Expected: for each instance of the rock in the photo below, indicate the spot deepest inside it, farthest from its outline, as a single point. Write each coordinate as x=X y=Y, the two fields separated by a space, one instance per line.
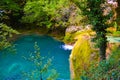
x=72 y=29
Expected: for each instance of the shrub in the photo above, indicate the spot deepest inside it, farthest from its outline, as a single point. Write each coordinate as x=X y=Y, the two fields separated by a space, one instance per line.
x=105 y=70
x=41 y=71
x=117 y=33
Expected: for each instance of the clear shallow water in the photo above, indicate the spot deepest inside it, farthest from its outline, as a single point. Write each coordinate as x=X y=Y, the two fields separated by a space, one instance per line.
x=12 y=65
x=112 y=39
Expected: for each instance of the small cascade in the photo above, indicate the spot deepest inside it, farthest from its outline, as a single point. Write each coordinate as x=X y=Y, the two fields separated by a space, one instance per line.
x=67 y=47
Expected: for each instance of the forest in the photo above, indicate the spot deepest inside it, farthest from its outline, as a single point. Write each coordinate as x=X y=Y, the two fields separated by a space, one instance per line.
x=59 y=39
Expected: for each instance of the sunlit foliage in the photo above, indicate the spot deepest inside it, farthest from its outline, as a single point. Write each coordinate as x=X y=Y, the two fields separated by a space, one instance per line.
x=45 y=12
x=5 y=33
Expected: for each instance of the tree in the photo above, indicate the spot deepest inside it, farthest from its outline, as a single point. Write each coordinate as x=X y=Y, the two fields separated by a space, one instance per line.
x=12 y=11
x=47 y=13
x=41 y=71
x=5 y=33
x=100 y=15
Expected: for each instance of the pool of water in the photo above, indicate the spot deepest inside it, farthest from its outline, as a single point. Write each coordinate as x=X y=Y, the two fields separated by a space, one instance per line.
x=11 y=65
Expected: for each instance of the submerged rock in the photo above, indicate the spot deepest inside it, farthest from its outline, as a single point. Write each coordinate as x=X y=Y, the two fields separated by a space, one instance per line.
x=15 y=68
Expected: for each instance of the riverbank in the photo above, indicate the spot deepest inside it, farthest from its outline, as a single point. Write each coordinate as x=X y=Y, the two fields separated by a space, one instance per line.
x=39 y=31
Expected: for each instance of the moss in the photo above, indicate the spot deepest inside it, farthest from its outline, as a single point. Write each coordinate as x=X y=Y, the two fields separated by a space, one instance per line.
x=69 y=38
x=80 y=57
x=72 y=37
x=82 y=54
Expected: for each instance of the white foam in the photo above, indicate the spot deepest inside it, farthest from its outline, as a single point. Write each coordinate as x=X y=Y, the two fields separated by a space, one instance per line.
x=67 y=47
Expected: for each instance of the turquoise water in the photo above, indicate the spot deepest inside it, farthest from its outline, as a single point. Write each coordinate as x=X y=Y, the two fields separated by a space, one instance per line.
x=112 y=39
x=12 y=65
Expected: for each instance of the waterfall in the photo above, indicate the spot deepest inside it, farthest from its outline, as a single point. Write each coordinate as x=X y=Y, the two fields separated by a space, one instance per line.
x=67 y=47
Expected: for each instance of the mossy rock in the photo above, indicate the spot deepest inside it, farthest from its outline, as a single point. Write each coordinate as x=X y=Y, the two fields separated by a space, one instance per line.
x=81 y=57
x=72 y=37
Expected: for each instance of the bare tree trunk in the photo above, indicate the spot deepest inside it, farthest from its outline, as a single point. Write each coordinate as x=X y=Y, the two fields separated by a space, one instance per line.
x=103 y=46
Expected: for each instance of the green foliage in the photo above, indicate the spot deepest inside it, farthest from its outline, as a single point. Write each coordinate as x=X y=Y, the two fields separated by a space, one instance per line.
x=11 y=12
x=69 y=38
x=41 y=70
x=105 y=70
x=95 y=12
x=116 y=25
x=72 y=37
x=9 y=5
x=45 y=12
x=117 y=33
x=5 y=33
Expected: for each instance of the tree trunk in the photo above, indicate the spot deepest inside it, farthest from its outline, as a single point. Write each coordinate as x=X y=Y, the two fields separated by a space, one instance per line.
x=118 y=12
x=103 y=46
